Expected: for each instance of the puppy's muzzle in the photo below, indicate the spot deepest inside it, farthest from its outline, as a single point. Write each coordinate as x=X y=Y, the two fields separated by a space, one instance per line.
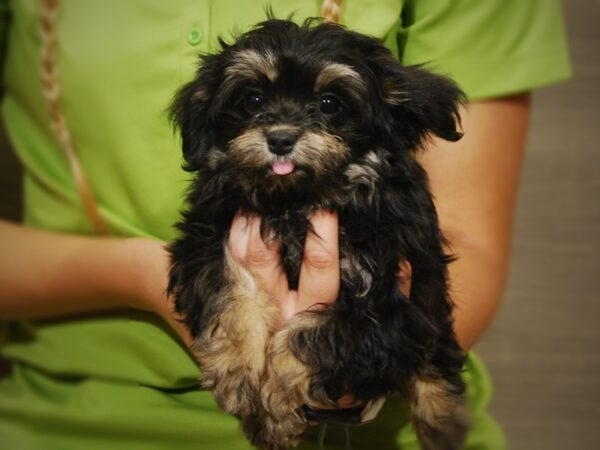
x=282 y=141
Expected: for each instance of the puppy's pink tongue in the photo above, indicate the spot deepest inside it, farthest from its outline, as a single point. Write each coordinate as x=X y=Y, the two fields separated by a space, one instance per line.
x=283 y=167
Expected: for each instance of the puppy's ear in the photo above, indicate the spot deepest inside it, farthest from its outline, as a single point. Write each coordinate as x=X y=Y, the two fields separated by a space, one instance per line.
x=421 y=104
x=191 y=111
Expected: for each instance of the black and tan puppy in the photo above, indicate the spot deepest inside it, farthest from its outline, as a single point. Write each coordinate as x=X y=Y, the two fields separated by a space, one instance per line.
x=286 y=121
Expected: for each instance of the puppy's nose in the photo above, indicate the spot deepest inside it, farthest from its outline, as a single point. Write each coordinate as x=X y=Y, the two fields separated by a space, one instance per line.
x=281 y=142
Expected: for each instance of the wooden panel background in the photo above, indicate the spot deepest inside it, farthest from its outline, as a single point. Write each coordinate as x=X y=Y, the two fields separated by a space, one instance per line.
x=544 y=348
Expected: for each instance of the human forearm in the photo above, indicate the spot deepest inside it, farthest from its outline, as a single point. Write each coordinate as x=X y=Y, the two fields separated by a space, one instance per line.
x=477 y=281
x=45 y=274
x=474 y=182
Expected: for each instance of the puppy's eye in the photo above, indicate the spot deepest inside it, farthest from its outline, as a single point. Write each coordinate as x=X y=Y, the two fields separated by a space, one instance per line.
x=253 y=101
x=330 y=104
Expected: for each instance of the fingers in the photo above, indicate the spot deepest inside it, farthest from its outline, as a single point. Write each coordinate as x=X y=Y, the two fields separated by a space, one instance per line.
x=239 y=237
x=175 y=320
x=404 y=277
x=344 y=402
x=260 y=257
x=320 y=272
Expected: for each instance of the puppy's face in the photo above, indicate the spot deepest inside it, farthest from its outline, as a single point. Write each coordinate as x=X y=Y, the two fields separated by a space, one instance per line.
x=290 y=108
x=287 y=121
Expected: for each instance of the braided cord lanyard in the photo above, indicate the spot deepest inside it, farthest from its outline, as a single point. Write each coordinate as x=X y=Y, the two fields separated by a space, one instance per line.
x=49 y=11
x=331 y=10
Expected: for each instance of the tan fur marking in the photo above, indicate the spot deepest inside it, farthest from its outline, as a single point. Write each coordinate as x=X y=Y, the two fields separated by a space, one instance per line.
x=361 y=174
x=231 y=351
x=364 y=176
x=372 y=158
x=395 y=97
x=392 y=94
x=432 y=401
x=439 y=415
x=352 y=271
x=200 y=95
x=215 y=157
x=336 y=71
x=250 y=148
x=286 y=385
x=324 y=152
x=252 y=64
x=278 y=127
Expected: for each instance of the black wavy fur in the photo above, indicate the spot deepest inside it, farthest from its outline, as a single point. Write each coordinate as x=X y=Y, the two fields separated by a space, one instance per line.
x=375 y=341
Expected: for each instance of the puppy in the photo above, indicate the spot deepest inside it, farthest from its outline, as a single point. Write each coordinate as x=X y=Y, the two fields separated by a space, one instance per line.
x=286 y=121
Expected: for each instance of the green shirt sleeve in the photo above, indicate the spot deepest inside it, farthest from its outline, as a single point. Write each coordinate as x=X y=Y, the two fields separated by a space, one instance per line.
x=490 y=48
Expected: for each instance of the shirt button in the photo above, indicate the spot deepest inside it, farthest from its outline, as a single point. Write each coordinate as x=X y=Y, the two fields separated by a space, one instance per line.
x=194 y=36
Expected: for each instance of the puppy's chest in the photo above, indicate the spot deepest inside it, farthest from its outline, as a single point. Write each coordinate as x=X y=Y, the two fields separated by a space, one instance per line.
x=291 y=231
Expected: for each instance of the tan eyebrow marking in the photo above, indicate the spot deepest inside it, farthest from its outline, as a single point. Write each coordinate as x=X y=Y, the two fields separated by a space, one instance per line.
x=252 y=64
x=393 y=95
x=336 y=71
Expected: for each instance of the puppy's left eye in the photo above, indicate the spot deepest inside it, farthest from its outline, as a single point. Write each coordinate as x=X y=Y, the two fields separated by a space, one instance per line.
x=253 y=101
x=330 y=104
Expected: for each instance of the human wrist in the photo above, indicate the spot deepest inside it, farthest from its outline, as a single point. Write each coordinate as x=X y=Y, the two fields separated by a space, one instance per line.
x=143 y=268
x=148 y=268
x=47 y=274
x=107 y=272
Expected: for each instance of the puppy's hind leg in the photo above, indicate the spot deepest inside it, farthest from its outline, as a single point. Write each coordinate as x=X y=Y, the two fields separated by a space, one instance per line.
x=231 y=350
x=439 y=414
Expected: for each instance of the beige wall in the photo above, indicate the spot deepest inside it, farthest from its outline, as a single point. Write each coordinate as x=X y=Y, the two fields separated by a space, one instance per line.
x=544 y=349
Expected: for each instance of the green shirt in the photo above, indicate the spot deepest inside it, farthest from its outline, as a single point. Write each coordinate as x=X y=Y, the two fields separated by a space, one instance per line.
x=122 y=380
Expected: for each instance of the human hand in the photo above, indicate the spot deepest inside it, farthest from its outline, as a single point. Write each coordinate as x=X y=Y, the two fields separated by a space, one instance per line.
x=320 y=271
x=319 y=281
x=151 y=274
x=319 y=274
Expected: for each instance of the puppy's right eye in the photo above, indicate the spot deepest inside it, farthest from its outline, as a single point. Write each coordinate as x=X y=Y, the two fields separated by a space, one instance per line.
x=253 y=101
x=329 y=104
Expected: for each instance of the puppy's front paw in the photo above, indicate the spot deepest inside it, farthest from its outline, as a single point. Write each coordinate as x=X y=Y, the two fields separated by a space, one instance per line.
x=269 y=433
x=231 y=350
x=285 y=389
x=287 y=378
x=233 y=376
